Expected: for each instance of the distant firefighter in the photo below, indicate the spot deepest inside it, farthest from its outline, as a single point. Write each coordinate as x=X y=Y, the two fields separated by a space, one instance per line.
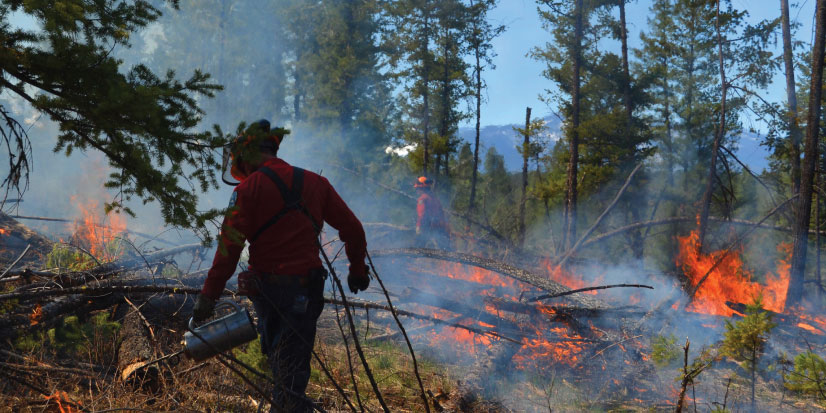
x=431 y=226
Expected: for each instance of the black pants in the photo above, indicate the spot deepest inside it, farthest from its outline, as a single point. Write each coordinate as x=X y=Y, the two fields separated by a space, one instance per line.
x=287 y=318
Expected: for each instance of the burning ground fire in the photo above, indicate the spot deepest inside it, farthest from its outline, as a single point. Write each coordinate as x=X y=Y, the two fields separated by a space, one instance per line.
x=544 y=341
x=730 y=281
x=95 y=231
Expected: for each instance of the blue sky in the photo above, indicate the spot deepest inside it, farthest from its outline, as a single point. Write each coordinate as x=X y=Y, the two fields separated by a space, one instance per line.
x=517 y=80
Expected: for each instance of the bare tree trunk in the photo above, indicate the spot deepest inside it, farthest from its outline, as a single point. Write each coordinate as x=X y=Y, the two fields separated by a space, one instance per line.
x=571 y=187
x=718 y=136
x=478 y=85
x=637 y=244
x=426 y=91
x=794 y=295
x=794 y=128
x=817 y=244
x=626 y=87
x=525 y=155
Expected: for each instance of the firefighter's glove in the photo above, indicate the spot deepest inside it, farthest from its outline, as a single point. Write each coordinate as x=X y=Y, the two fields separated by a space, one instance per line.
x=358 y=281
x=204 y=307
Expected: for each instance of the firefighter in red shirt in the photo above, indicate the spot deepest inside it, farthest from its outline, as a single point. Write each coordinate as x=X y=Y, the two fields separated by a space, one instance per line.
x=280 y=210
x=431 y=226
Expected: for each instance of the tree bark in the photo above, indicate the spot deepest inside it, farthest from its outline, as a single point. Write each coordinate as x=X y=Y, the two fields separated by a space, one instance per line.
x=426 y=88
x=718 y=136
x=525 y=155
x=135 y=350
x=794 y=127
x=571 y=185
x=794 y=295
x=637 y=239
x=478 y=86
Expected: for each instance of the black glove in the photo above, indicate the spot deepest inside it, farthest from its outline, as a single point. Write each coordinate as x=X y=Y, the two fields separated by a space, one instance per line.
x=358 y=282
x=204 y=307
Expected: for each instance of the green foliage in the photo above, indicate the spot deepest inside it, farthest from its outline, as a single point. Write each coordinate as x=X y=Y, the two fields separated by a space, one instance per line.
x=745 y=340
x=664 y=350
x=71 y=337
x=63 y=67
x=808 y=376
x=74 y=337
x=68 y=258
x=8 y=305
x=251 y=355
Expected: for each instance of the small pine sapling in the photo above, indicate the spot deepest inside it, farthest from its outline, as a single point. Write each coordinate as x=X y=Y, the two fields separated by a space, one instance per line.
x=745 y=340
x=808 y=376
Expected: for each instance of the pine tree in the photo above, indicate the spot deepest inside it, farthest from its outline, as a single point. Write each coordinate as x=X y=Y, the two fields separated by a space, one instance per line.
x=143 y=123
x=410 y=35
x=481 y=36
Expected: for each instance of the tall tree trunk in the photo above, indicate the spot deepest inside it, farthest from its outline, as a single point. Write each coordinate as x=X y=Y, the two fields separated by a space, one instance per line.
x=626 y=83
x=445 y=118
x=426 y=91
x=794 y=128
x=794 y=295
x=478 y=86
x=637 y=243
x=817 y=244
x=525 y=156
x=571 y=187
x=718 y=136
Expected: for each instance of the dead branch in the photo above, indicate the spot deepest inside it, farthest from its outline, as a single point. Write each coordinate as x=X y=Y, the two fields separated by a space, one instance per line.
x=20 y=257
x=579 y=290
x=599 y=219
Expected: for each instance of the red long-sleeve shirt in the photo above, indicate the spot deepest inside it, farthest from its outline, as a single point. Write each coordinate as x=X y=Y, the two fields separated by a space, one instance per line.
x=429 y=212
x=288 y=247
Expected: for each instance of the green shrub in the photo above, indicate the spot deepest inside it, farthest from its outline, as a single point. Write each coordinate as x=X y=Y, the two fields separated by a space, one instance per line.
x=808 y=376
x=251 y=355
x=664 y=350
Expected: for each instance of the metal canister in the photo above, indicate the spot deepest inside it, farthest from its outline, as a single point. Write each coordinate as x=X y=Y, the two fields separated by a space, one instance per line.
x=220 y=335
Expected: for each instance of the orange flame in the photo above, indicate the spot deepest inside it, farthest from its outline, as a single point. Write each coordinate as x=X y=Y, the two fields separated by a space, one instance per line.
x=729 y=281
x=551 y=344
x=93 y=231
x=61 y=397
x=2 y=231
x=36 y=315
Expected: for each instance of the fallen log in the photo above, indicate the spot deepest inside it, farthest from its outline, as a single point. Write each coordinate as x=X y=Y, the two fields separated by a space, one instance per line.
x=135 y=350
x=535 y=280
x=103 y=271
x=55 y=309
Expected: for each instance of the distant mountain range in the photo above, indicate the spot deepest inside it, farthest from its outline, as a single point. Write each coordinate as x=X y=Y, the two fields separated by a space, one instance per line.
x=505 y=140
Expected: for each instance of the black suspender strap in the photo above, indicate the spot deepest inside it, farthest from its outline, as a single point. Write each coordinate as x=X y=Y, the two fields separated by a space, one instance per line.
x=292 y=198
